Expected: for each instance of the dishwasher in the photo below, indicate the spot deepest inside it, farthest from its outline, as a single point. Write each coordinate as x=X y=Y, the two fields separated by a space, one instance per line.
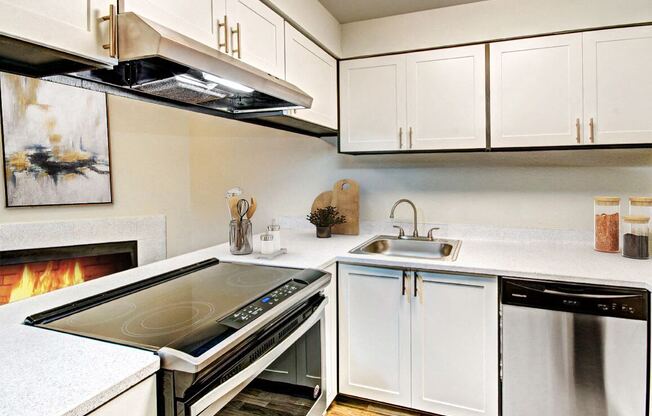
x=573 y=349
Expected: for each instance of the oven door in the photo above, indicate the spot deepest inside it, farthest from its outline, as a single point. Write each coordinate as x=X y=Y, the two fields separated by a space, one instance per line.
x=288 y=378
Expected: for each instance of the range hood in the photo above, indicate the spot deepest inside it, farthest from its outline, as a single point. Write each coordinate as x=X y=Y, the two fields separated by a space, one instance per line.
x=159 y=62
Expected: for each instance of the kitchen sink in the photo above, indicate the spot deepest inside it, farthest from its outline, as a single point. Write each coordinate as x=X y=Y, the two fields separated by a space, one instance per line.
x=435 y=249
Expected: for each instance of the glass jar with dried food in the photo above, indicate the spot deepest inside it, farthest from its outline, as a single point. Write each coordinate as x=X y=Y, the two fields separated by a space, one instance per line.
x=606 y=210
x=636 y=237
x=641 y=205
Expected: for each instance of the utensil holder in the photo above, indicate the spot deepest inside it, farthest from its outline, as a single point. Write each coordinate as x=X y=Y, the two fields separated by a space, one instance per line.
x=241 y=237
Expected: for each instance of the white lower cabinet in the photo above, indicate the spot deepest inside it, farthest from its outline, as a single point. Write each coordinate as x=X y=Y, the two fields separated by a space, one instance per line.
x=374 y=328
x=140 y=400
x=330 y=336
x=455 y=345
x=427 y=341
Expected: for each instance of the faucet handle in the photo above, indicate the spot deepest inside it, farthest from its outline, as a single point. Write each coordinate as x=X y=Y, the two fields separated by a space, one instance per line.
x=401 y=232
x=430 y=232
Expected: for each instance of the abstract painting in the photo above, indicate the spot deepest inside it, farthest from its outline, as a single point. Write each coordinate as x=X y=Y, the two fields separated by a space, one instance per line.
x=55 y=143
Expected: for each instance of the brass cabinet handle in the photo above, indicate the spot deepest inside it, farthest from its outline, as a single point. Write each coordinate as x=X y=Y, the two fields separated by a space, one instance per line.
x=591 y=136
x=577 y=130
x=236 y=31
x=112 y=46
x=224 y=25
x=400 y=137
x=410 y=138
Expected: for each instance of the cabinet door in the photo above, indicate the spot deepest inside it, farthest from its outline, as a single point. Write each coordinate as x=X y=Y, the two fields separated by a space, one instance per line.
x=197 y=22
x=618 y=85
x=536 y=91
x=72 y=26
x=261 y=41
x=330 y=335
x=314 y=71
x=446 y=99
x=374 y=334
x=372 y=104
x=455 y=345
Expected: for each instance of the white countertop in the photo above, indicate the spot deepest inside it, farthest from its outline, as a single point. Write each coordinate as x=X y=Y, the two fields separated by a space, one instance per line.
x=48 y=373
x=69 y=375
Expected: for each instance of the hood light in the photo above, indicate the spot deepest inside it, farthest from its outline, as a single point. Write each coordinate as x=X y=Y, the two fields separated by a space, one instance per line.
x=226 y=83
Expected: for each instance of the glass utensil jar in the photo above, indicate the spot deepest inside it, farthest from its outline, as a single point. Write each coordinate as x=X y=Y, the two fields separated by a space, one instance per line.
x=606 y=210
x=240 y=237
x=636 y=237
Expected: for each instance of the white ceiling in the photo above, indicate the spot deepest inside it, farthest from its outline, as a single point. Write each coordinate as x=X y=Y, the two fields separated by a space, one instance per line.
x=346 y=11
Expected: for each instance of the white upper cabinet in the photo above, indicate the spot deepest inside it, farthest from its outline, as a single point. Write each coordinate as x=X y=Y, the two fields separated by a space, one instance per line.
x=618 y=85
x=372 y=104
x=314 y=71
x=374 y=329
x=419 y=101
x=198 y=22
x=73 y=26
x=446 y=99
x=455 y=345
x=245 y=29
x=536 y=91
x=257 y=35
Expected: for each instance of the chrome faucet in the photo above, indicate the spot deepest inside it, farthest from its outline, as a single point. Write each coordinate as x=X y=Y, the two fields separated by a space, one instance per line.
x=415 y=232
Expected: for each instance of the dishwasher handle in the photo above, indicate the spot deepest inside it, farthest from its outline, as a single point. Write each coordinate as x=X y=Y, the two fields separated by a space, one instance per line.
x=619 y=302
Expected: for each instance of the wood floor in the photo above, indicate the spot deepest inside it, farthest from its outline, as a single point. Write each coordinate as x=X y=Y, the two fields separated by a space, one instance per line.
x=345 y=406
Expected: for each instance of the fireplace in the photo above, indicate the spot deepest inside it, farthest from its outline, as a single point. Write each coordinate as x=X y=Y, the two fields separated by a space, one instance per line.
x=31 y=272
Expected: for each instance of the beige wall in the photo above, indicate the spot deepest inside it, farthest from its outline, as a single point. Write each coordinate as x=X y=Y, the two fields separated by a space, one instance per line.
x=180 y=164
x=486 y=20
x=150 y=172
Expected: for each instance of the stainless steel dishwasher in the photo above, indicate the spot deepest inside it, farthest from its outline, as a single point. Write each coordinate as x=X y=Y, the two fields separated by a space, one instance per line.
x=573 y=350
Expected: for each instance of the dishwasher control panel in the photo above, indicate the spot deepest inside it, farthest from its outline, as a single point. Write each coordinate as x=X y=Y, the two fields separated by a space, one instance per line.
x=576 y=298
x=247 y=314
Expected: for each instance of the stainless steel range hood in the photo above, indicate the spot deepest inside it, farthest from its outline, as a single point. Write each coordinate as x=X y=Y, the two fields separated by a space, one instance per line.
x=159 y=62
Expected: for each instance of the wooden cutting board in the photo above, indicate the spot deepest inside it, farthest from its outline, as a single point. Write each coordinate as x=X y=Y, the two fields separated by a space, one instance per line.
x=346 y=198
x=322 y=201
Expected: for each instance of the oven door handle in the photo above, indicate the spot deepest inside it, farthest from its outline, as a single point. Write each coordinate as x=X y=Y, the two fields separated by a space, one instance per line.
x=212 y=402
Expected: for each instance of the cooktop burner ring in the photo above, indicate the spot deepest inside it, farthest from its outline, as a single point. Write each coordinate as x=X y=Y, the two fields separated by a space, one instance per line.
x=144 y=324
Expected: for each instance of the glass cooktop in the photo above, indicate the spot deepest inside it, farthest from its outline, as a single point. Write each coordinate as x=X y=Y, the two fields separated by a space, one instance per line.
x=180 y=313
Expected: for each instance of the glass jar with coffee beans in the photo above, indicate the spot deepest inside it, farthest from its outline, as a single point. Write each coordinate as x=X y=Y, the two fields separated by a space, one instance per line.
x=636 y=237
x=606 y=210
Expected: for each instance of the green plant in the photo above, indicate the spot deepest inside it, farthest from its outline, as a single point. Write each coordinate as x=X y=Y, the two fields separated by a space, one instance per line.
x=326 y=217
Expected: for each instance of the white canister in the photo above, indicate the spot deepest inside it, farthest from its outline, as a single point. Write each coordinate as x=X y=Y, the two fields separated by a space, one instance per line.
x=275 y=230
x=267 y=243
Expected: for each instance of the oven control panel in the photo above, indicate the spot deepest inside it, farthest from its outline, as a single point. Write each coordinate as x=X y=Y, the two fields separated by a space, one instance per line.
x=247 y=314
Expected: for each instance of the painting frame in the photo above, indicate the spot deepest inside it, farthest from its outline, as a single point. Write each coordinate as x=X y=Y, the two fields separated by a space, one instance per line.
x=3 y=153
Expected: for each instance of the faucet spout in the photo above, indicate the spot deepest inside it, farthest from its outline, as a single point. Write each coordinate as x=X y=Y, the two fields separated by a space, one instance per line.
x=415 y=232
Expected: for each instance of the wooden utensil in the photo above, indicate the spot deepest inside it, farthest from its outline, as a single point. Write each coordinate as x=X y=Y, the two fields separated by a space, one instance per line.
x=252 y=208
x=233 y=207
x=346 y=198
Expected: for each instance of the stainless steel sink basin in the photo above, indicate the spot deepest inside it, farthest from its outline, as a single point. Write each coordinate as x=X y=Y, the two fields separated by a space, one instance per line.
x=436 y=249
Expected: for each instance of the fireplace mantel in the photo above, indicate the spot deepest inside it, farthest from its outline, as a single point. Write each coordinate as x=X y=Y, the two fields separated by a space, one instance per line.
x=148 y=231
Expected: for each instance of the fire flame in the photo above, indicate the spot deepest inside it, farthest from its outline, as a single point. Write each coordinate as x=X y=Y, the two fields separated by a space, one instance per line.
x=69 y=273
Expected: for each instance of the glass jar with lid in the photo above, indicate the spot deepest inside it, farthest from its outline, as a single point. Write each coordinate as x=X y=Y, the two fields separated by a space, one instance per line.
x=636 y=237
x=640 y=205
x=606 y=210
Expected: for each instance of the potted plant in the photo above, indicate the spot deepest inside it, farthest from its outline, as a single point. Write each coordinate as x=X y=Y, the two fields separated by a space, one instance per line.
x=324 y=219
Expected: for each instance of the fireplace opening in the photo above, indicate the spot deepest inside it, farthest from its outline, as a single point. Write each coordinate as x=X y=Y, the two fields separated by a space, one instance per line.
x=31 y=272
